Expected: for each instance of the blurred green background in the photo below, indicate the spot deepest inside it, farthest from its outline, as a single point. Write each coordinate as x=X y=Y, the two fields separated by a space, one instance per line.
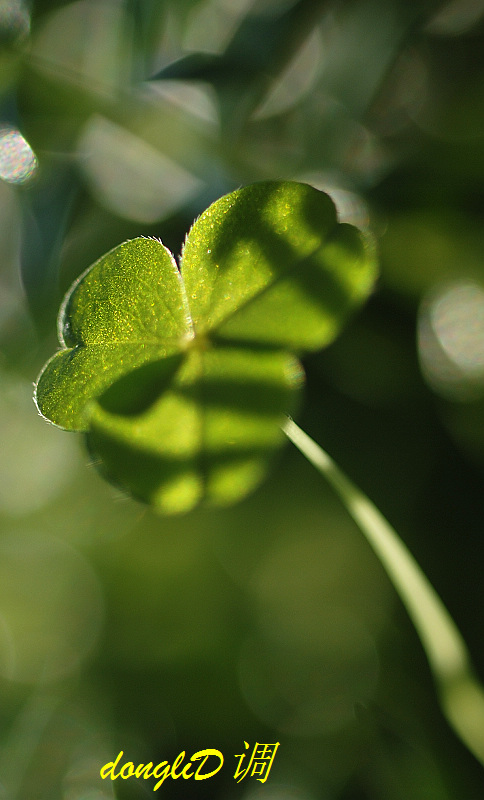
x=272 y=620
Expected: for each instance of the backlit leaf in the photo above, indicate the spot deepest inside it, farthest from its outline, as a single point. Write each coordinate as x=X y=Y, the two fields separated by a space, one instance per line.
x=269 y=264
x=126 y=310
x=209 y=436
x=181 y=378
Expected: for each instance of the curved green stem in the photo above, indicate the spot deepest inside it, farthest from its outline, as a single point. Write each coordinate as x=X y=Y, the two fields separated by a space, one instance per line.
x=461 y=694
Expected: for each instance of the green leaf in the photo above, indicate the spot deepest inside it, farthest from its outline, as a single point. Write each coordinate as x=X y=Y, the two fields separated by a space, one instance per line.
x=181 y=380
x=269 y=264
x=209 y=436
x=129 y=308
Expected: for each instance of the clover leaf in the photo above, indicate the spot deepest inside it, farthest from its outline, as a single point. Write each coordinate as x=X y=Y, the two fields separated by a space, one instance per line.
x=126 y=310
x=180 y=378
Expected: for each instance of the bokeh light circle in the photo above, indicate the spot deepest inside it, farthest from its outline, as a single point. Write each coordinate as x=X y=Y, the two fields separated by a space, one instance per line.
x=18 y=162
x=451 y=340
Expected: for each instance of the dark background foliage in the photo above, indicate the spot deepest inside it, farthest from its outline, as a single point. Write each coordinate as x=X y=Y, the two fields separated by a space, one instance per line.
x=272 y=620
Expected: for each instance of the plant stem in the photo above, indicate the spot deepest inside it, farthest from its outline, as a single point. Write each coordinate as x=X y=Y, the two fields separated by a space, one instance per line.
x=461 y=694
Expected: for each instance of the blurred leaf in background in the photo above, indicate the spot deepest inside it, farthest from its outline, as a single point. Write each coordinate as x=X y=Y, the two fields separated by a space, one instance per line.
x=271 y=620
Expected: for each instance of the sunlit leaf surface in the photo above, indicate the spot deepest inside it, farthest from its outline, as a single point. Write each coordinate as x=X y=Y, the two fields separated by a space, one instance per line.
x=126 y=310
x=181 y=379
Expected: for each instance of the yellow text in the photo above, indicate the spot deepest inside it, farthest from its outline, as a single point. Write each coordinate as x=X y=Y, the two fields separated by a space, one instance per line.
x=164 y=770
